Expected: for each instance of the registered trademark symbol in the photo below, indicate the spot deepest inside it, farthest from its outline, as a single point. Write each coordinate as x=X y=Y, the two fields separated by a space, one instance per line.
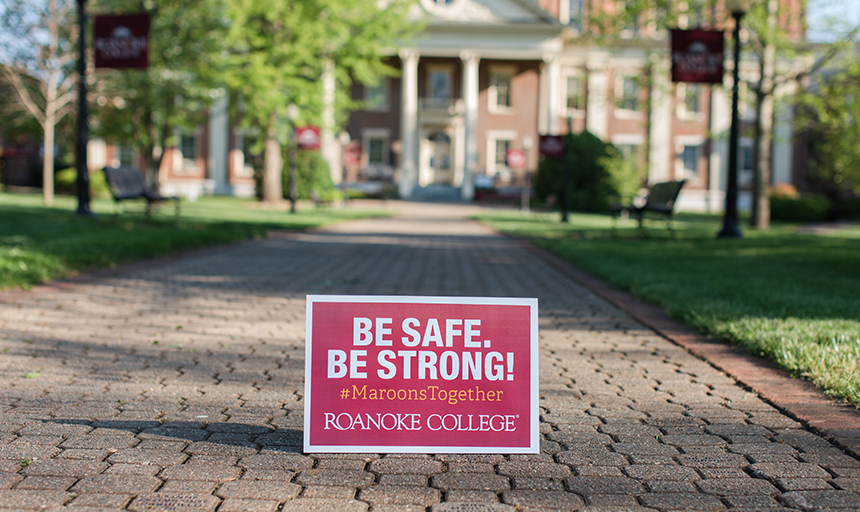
x=518 y=415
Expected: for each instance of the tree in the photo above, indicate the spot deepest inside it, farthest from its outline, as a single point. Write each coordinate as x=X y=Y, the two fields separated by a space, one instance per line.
x=143 y=107
x=829 y=111
x=783 y=56
x=39 y=41
x=279 y=50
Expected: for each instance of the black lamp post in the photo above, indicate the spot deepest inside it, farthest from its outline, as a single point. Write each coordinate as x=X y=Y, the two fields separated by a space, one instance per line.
x=568 y=155
x=83 y=181
x=730 y=219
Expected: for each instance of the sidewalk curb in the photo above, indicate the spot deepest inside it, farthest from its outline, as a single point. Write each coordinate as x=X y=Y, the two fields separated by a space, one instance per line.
x=797 y=398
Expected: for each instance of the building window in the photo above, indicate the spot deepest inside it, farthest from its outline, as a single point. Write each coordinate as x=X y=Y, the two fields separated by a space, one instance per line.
x=376 y=96
x=746 y=160
x=376 y=150
x=574 y=93
x=188 y=148
x=125 y=156
x=500 y=89
x=440 y=84
x=629 y=94
x=690 y=160
x=692 y=98
x=629 y=152
x=575 y=14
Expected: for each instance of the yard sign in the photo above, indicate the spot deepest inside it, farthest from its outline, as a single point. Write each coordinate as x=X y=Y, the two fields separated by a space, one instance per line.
x=398 y=374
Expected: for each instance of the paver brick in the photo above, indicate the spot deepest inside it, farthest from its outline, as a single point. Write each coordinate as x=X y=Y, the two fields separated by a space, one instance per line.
x=52 y=483
x=324 y=505
x=200 y=472
x=64 y=467
x=471 y=507
x=28 y=499
x=467 y=481
x=822 y=499
x=681 y=501
x=400 y=495
x=796 y=470
x=661 y=472
x=737 y=486
x=408 y=466
x=242 y=505
x=552 y=500
x=258 y=490
x=602 y=485
x=334 y=477
x=169 y=502
x=117 y=484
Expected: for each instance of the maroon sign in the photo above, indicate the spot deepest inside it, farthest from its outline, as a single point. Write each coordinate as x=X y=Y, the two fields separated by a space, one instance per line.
x=697 y=56
x=551 y=145
x=308 y=137
x=122 y=41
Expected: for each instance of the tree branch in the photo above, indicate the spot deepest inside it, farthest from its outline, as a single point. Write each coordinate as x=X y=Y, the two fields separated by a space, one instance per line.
x=23 y=94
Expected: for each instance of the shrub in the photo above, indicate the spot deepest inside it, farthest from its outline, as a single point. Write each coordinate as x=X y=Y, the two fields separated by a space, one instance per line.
x=599 y=175
x=809 y=208
x=65 y=182
x=848 y=208
x=312 y=174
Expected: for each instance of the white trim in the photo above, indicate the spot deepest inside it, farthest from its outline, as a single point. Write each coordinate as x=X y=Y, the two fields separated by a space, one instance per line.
x=628 y=139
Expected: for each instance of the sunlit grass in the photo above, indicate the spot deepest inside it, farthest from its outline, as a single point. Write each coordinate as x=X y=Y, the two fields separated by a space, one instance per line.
x=39 y=244
x=789 y=296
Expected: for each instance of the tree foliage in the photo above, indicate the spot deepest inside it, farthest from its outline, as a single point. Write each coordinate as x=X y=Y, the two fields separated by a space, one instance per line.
x=279 y=50
x=37 y=62
x=143 y=107
x=599 y=175
x=830 y=111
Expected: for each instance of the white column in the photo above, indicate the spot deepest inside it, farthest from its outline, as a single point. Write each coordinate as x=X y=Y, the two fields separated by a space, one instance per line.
x=470 y=118
x=548 y=99
x=662 y=155
x=783 y=136
x=598 y=95
x=408 y=123
x=328 y=148
x=218 y=144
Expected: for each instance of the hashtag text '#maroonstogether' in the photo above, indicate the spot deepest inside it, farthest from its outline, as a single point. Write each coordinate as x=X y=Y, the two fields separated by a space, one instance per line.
x=430 y=393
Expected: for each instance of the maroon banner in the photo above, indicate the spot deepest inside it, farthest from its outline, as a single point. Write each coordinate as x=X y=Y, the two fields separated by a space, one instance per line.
x=697 y=56
x=308 y=137
x=551 y=145
x=122 y=41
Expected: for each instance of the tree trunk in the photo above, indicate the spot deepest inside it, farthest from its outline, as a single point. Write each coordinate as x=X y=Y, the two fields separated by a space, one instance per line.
x=48 y=162
x=273 y=188
x=764 y=125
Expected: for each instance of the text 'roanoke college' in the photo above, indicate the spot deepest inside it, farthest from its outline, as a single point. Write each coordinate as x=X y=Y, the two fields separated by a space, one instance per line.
x=430 y=393
x=413 y=421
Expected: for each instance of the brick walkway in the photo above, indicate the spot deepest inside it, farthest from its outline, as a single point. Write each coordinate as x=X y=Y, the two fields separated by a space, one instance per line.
x=177 y=386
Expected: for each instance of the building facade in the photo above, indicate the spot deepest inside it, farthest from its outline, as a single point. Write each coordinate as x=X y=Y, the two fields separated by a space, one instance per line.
x=486 y=77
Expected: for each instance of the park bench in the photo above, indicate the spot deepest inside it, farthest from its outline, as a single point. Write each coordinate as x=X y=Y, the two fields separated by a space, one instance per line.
x=660 y=201
x=126 y=183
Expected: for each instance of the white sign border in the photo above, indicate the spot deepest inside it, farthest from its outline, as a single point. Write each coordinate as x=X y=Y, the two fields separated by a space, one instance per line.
x=534 y=393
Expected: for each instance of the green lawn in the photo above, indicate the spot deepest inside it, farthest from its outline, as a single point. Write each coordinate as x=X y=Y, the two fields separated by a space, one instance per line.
x=39 y=244
x=790 y=296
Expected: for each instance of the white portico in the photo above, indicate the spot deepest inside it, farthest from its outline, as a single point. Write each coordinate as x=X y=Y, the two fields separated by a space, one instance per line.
x=480 y=78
